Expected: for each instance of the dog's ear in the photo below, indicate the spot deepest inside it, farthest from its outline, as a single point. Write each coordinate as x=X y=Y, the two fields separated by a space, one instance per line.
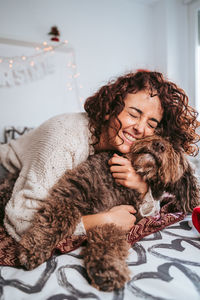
x=186 y=190
x=174 y=164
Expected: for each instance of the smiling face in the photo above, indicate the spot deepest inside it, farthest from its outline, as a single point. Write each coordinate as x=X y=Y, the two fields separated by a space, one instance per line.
x=139 y=118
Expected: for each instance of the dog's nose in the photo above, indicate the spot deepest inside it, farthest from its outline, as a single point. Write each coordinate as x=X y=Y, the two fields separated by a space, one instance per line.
x=158 y=146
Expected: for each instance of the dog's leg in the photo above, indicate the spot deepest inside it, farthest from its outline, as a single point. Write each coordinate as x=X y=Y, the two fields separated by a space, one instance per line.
x=50 y=225
x=104 y=257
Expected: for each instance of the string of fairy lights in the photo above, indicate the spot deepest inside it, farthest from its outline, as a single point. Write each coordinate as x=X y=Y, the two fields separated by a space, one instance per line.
x=10 y=62
x=40 y=50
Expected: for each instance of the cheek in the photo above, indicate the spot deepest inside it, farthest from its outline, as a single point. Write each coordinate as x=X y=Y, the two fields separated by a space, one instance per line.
x=126 y=120
x=149 y=131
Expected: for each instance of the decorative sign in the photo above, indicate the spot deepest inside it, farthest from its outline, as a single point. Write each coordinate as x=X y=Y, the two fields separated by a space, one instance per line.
x=26 y=73
x=38 y=62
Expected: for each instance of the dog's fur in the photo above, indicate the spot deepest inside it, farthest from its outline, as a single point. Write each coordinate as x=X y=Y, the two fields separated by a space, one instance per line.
x=89 y=189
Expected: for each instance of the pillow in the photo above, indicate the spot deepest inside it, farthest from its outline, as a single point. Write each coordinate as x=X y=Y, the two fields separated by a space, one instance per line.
x=3 y=172
x=13 y=132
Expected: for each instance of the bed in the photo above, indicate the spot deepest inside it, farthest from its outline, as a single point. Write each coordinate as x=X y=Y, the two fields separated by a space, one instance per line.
x=164 y=265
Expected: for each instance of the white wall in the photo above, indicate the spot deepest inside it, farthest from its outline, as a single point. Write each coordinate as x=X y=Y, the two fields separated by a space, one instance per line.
x=194 y=62
x=171 y=42
x=110 y=37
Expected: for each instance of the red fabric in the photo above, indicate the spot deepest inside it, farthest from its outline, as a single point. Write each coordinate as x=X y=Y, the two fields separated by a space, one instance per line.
x=169 y=214
x=196 y=218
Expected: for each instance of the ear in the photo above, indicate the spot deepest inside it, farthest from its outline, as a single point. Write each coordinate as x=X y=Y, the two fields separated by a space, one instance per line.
x=186 y=190
x=173 y=168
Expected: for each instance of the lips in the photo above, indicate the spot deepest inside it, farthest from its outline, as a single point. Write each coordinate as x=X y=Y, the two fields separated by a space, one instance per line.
x=129 y=138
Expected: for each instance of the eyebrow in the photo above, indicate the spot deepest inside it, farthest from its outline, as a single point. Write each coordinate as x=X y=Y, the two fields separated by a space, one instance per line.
x=140 y=112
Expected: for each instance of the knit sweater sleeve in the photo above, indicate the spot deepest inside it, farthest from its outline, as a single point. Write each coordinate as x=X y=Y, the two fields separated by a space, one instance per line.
x=150 y=206
x=42 y=156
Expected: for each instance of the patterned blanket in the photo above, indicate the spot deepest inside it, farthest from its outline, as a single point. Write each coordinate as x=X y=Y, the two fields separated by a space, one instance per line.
x=169 y=214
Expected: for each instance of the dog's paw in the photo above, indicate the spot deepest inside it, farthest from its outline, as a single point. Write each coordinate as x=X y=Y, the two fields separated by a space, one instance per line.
x=30 y=260
x=24 y=258
x=105 y=257
x=108 y=279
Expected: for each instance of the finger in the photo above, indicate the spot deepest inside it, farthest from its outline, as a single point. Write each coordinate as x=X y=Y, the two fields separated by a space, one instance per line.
x=117 y=155
x=120 y=175
x=121 y=169
x=118 y=160
x=134 y=219
x=129 y=208
x=123 y=181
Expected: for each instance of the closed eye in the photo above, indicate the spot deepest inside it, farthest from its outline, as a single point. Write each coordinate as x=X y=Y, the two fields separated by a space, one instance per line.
x=152 y=126
x=134 y=116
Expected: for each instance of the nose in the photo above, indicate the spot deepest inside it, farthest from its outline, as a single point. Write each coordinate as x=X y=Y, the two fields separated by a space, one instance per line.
x=139 y=128
x=158 y=146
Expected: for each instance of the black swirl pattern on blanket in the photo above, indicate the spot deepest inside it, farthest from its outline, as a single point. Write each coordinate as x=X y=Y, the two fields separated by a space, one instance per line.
x=27 y=288
x=163 y=274
x=175 y=245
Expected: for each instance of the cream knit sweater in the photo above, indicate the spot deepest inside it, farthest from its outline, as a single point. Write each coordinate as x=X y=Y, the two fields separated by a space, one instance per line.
x=42 y=156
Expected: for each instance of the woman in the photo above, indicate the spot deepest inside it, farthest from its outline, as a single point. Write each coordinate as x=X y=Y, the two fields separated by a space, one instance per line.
x=134 y=106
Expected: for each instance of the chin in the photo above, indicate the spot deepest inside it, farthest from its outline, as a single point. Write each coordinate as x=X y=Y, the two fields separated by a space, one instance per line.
x=122 y=146
x=124 y=149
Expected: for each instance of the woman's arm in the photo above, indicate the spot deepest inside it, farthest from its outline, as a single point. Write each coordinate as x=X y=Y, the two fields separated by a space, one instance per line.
x=45 y=154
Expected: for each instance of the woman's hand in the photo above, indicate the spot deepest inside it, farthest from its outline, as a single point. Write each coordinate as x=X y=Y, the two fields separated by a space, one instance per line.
x=124 y=174
x=121 y=215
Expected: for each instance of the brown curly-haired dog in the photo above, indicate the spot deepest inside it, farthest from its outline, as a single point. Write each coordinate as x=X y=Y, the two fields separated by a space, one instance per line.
x=90 y=188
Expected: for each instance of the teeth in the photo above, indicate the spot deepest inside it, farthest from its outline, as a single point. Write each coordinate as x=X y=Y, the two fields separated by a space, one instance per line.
x=129 y=136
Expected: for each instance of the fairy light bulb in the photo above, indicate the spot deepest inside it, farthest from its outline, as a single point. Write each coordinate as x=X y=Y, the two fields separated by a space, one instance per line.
x=1 y=60
x=32 y=63
x=23 y=57
x=11 y=61
x=44 y=43
x=76 y=75
x=10 y=66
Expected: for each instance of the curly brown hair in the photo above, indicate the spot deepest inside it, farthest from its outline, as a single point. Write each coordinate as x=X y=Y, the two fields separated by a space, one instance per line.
x=179 y=122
